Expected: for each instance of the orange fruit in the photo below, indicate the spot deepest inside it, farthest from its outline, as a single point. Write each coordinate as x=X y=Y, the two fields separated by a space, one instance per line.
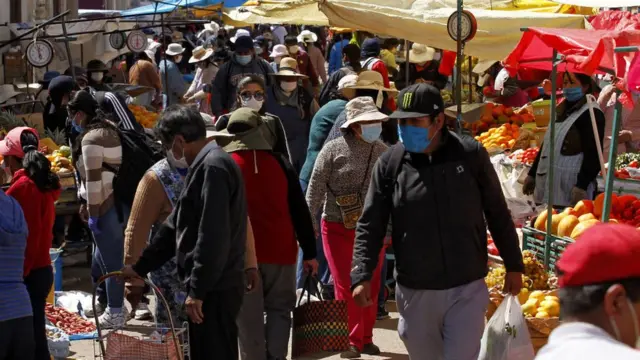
x=584 y=207
x=598 y=204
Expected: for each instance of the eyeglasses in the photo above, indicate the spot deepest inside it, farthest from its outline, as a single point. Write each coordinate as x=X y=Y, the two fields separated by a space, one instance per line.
x=247 y=95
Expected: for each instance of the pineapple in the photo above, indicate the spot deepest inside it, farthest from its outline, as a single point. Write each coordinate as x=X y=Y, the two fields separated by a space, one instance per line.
x=57 y=136
x=9 y=121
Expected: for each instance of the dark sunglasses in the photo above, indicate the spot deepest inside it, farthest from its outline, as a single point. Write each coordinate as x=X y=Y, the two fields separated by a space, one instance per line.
x=247 y=95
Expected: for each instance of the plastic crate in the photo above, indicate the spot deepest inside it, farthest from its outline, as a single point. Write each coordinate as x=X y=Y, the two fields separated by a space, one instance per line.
x=536 y=241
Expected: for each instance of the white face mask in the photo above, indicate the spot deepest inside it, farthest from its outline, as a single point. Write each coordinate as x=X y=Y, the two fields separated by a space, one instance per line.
x=636 y=326
x=288 y=86
x=97 y=76
x=180 y=164
x=178 y=59
x=252 y=104
x=293 y=49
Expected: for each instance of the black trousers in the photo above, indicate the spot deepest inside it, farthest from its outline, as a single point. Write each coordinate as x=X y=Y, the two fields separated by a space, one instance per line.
x=217 y=336
x=16 y=341
x=38 y=284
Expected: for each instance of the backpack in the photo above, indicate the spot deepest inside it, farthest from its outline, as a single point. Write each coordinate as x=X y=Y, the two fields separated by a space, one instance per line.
x=139 y=153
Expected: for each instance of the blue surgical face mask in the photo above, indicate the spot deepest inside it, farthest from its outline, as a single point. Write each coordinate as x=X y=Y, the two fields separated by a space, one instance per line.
x=573 y=94
x=243 y=59
x=415 y=139
x=75 y=126
x=371 y=132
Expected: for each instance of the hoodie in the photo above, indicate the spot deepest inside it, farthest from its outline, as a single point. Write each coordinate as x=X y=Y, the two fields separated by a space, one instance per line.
x=55 y=115
x=39 y=212
x=14 y=298
x=223 y=96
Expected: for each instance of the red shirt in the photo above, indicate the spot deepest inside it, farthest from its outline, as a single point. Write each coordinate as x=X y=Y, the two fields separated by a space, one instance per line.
x=380 y=67
x=267 y=194
x=305 y=67
x=40 y=213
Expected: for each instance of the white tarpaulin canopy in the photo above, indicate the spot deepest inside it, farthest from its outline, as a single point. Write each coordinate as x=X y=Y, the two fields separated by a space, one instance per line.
x=421 y=21
x=598 y=4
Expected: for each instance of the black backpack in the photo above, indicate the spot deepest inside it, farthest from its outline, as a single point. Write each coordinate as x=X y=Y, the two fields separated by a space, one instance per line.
x=139 y=153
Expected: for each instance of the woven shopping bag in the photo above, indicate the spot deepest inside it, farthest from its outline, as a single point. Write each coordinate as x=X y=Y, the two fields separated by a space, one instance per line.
x=319 y=325
x=125 y=347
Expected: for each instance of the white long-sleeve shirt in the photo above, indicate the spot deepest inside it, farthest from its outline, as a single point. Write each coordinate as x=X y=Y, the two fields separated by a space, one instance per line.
x=583 y=341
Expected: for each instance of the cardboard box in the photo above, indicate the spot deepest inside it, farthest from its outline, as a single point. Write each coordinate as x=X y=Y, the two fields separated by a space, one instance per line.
x=33 y=120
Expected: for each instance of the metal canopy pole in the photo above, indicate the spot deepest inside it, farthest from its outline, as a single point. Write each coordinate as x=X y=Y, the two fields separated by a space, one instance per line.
x=406 y=62
x=36 y=28
x=460 y=59
x=164 y=58
x=551 y=145
x=68 y=48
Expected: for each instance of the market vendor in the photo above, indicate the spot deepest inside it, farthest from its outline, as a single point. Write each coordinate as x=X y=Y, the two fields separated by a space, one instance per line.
x=600 y=297
x=629 y=134
x=576 y=156
x=422 y=68
x=503 y=88
x=55 y=111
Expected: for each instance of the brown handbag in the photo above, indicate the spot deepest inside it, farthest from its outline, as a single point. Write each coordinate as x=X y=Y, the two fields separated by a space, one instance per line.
x=351 y=204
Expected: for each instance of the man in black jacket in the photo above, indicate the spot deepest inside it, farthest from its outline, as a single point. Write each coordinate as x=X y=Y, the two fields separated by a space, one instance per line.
x=206 y=232
x=438 y=188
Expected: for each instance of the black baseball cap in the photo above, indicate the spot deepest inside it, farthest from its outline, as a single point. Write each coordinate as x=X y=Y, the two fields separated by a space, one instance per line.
x=418 y=100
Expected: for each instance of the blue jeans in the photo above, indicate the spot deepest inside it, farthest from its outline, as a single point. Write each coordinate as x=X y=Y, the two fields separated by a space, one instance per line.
x=110 y=252
x=323 y=267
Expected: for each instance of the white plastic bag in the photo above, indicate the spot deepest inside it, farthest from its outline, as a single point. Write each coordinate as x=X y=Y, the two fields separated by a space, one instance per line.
x=506 y=336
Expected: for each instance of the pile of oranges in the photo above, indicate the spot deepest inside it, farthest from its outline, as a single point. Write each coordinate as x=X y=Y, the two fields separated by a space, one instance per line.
x=143 y=116
x=503 y=137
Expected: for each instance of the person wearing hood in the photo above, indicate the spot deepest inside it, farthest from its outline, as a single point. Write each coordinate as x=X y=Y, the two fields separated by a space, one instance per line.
x=370 y=60
x=36 y=189
x=43 y=93
x=243 y=63
x=55 y=112
x=281 y=222
x=156 y=197
x=305 y=67
x=16 y=314
x=96 y=72
x=600 y=296
x=145 y=73
x=295 y=106
x=175 y=87
x=205 y=73
x=309 y=40
x=576 y=158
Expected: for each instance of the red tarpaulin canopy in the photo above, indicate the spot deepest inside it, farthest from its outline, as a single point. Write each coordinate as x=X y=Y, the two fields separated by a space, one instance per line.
x=584 y=51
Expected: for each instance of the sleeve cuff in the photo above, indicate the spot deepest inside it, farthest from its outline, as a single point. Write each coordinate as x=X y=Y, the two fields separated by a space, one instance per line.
x=195 y=294
x=140 y=268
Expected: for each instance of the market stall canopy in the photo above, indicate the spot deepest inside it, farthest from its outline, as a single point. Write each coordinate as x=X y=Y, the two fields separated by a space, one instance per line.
x=75 y=29
x=171 y=5
x=584 y=51
x=299 y=12
x=417 y=20
x=615 y=20
x=598 y=4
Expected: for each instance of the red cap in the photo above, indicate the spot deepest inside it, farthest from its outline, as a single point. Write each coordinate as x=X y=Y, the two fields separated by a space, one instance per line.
x=11 y=145
x=604 y=253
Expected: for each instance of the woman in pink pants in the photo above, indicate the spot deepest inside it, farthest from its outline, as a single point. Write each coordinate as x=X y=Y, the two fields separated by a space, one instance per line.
x=340 y=181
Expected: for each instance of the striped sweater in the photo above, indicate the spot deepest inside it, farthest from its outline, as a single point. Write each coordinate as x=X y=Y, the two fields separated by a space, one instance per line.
x=14 y=298
x=99 y=146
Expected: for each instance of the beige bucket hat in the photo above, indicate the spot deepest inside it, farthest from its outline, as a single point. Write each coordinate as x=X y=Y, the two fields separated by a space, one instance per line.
x=372 y=80
x=362 y=109
x=420 y=53
x=288 y=67
x=200 y=54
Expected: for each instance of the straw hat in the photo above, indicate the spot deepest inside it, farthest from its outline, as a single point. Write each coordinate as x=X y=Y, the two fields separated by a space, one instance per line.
x=174 y=49
x=362 y=109
x=7 y=91
x=348 y=81
x=279 y=50
x=372 y=80
x=240 y=33
x=200 y=54
x=307 y=36
x=177 y=36
x=289 y=67
x=421 y=53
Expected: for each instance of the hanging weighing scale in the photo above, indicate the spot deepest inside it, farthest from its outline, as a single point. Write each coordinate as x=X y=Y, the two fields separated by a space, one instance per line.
x=469 y=26
x=137 y=41
x=39 y=53
x=117 y=40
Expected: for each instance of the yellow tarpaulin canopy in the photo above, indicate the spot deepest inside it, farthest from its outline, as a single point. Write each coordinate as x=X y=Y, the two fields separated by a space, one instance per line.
x=300 y=12
x=207 y=12
x=425 y=21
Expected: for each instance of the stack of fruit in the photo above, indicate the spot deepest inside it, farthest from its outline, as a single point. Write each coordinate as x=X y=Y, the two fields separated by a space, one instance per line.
x=143 y=116
x=527 y=156
x=495 y=115
x=540 y=304
x=533 y=278
x=503 y=137
x=573 y=221
x=61 y=161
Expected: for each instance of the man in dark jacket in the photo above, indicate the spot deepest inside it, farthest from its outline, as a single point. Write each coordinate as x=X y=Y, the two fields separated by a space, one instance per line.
x=351 y=59
x=206 y=232
x=244 y=62
x=437 y=188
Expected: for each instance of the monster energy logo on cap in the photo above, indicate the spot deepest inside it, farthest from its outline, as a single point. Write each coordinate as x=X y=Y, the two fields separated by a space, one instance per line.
x=406 y=99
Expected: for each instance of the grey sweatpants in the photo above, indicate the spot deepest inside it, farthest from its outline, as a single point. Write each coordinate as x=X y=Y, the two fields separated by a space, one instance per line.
x=442 y=324
x=264 y=322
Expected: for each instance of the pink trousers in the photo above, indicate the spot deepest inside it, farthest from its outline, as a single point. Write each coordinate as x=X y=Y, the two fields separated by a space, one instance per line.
x=338 y=249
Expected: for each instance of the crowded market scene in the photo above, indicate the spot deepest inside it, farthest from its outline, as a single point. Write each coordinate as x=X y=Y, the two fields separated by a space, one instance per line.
x=322 y=179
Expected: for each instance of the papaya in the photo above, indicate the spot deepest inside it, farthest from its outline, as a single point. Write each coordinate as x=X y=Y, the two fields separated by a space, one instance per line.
x=555 y=222
x=582 y=227
x=584 y=207
x=586 y=217
x=567 y=224
x=541 y=221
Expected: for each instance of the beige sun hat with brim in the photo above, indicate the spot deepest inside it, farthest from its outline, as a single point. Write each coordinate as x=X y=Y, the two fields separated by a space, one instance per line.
x=289 y=68
x=483 y=65
x=212 y=26
x=252 y=139
x=7 y=91
x=362 y=109
x=421 y=53
x=348 y=81
x=372 y=80
x=174 y=49
x=200 y=54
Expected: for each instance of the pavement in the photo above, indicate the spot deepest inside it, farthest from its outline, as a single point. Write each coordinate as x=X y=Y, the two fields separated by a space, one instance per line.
x=76 y=275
